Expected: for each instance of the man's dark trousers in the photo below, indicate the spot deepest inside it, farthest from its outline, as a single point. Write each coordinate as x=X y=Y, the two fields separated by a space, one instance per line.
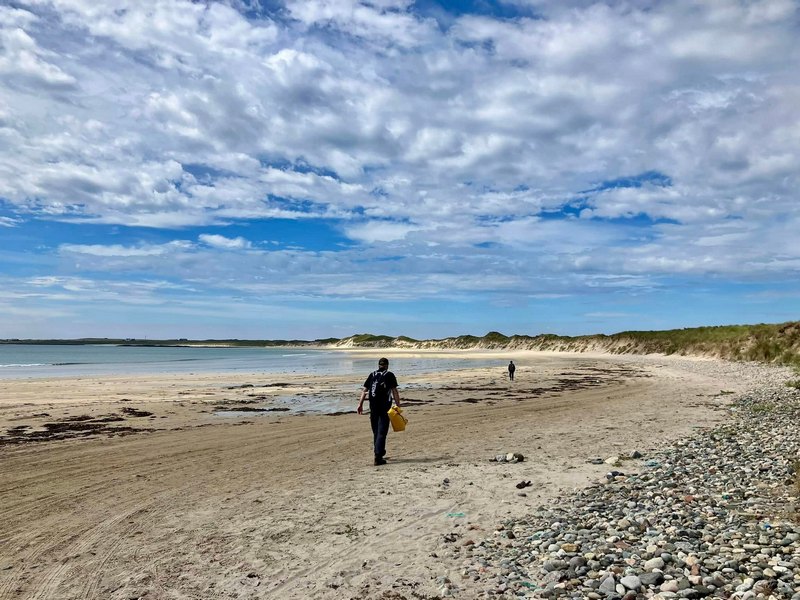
x=379 y=419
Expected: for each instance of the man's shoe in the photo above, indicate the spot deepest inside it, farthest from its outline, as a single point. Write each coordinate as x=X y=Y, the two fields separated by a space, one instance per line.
x=380 y=461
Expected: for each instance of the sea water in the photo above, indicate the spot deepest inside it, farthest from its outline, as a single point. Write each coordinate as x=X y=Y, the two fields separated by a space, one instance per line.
x=42 y=360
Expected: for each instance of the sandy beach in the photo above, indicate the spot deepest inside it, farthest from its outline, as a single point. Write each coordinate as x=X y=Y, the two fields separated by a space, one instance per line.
x=136 y=487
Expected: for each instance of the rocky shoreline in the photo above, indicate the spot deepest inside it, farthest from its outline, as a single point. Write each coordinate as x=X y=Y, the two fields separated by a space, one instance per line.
x=716 y=515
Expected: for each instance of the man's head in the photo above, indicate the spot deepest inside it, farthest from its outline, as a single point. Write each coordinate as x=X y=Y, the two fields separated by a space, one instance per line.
x=383 y=364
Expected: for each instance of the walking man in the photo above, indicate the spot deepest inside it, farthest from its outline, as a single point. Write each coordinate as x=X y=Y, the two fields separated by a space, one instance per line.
x=380 y=387
x=511 y=369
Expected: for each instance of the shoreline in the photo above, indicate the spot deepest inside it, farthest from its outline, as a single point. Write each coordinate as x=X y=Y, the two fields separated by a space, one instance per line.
x=314 y=362
x=60 y=363
x=197 y=398
x=290 y=507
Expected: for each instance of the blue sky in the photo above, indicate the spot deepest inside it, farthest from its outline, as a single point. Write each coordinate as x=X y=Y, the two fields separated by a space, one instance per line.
x=315 y=168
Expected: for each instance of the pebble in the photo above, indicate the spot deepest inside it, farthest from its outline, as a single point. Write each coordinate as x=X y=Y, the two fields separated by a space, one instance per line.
x=511 y=457
x=706 y=517
x=608 y=585
x=632 y=582
x=654 y=563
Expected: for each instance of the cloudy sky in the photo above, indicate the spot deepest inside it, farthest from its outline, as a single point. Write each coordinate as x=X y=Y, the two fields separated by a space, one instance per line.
x=314 y=168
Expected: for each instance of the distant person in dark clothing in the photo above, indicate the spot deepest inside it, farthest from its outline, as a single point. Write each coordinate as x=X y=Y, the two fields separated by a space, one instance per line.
x=511 y=369
x=380 y=387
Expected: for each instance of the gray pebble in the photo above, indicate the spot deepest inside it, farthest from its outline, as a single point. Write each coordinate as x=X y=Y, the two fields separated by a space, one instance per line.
x=690 y=524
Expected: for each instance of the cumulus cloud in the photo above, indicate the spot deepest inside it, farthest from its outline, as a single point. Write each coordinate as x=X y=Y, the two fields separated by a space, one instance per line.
x=379 y=22
x=472 y=144
x=220 y=241
x=22 y=62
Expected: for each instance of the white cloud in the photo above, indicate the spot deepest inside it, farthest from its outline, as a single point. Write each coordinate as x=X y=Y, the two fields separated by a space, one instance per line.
x=555 y=104
x=118 y=251
x=379 y=22
x=23 y=62
x=481 y=147
x=224 y=243
x=379 y=231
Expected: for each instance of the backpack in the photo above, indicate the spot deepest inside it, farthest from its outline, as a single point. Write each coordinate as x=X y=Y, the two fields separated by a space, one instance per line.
x=379 y=391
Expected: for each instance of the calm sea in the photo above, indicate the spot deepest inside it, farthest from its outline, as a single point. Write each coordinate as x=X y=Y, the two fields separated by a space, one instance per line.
x=22 y=361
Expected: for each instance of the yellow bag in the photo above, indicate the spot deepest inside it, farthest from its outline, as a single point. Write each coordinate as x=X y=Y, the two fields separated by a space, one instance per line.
x=397 y=419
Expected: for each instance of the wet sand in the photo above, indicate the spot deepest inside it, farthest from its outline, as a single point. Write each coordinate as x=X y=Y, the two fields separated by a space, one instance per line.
x=135 y=487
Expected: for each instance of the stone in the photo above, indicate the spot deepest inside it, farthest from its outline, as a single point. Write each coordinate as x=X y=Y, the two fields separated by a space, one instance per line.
x=654 y=563
x=576 y=562
x=669 y=586
x=746 y=585
x=552 y=576
x=608 y=585
x=764 y=587
x=652 y=578
x=687 y=526
x=554 y=565
x=631 y=582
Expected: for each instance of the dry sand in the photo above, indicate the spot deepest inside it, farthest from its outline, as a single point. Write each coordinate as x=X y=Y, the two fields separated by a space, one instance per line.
x=279 y=506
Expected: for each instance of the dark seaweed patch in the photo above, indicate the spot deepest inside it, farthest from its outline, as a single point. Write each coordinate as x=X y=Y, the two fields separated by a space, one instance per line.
x=133 y=412
x=64 y=430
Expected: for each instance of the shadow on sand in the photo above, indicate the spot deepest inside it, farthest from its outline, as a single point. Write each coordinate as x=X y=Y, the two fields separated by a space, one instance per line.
x=431 y=459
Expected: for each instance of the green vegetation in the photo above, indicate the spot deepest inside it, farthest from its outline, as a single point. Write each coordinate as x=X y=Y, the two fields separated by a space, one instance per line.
x=367 y=339
x=771 y=343
x=463 y=341
x=494 y=337
x=762 y=343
